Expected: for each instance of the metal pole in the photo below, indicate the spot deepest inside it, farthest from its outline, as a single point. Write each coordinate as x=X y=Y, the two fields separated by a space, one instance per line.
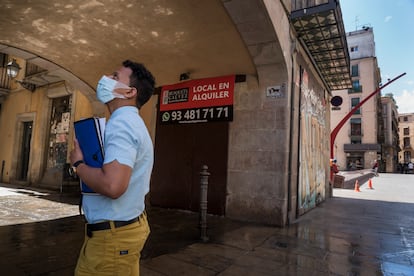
x=335 y=131
x=2 y=170
x=204 y=174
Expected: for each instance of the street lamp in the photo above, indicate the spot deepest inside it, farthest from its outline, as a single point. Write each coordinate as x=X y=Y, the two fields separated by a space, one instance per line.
x=12 y=69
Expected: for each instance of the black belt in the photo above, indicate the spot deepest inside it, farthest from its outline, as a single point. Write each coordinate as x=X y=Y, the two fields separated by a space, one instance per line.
x=107 y=225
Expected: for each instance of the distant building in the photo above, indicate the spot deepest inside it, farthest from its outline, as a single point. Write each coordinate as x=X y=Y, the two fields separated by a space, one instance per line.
x=390 y=146
x=358 y=143
x=406 y=133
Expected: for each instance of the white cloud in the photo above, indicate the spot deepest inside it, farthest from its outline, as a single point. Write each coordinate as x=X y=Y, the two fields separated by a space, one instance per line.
x=387 y=18
x=405 y=102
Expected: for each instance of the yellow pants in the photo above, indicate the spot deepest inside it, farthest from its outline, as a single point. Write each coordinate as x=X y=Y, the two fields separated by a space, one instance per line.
x=115 y=251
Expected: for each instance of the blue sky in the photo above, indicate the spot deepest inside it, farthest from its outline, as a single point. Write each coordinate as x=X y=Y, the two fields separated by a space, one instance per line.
x=393 y=24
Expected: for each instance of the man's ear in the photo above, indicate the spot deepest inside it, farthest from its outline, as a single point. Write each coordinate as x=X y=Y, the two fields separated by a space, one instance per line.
x=131 y=93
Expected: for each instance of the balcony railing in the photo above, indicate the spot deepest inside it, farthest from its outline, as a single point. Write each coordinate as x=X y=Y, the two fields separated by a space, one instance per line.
x=4 y=82
x=4 y=79
x=32 y=69
x=356 y=89
x=355 y=133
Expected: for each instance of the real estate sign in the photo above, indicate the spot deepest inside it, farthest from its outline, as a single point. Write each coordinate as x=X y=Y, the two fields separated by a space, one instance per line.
x=196 y=101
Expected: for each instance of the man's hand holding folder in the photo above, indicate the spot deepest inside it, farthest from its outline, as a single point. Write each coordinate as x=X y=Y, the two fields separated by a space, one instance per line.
x=89 y=138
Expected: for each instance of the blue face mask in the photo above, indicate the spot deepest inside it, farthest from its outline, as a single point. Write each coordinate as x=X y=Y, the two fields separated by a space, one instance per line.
x=105 y=90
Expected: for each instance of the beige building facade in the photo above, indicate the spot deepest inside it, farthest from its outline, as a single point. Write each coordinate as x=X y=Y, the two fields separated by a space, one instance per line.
x=357 y=144
x=391 y=143
x=406 y=134
x=269 y=163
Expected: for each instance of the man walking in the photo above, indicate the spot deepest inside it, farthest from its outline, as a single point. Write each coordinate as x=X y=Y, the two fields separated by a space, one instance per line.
x=117 y=226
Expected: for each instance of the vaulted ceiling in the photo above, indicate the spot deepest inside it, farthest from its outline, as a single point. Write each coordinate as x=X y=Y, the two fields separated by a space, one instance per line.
x=81 y=40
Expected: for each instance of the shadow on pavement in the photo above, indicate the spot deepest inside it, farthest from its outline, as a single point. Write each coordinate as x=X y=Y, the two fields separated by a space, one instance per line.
x=351 y=177
x=172 y=230
x=51 y=247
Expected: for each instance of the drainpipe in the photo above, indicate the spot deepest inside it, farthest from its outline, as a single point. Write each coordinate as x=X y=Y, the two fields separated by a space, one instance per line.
x=299 y=133
x=2 y=170
x=290 y=157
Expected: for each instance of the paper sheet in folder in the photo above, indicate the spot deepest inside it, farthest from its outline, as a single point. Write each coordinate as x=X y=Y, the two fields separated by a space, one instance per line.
x=90 y=133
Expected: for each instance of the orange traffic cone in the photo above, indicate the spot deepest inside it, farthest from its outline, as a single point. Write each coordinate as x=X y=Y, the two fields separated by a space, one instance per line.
x=370 y=184
x=356 y=186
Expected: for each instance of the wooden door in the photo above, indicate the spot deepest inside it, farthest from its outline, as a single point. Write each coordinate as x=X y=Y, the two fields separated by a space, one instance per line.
x=180 y=152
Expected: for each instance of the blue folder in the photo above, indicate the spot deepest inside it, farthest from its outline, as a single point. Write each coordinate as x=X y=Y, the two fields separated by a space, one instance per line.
x=89 y=134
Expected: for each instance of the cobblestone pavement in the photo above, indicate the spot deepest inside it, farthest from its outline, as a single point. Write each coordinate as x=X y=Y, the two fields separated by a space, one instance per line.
x=370 y=232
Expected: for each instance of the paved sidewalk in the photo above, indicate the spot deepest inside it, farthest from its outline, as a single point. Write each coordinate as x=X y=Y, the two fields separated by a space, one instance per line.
x=365 y=233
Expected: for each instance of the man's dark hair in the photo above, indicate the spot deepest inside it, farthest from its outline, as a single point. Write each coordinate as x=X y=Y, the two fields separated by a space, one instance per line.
x=142 y=80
